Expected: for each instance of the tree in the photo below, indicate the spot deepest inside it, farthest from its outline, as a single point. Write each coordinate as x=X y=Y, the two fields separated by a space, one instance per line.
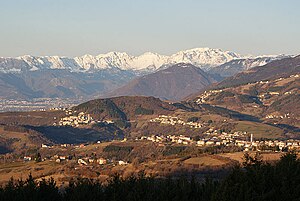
x=38 y=157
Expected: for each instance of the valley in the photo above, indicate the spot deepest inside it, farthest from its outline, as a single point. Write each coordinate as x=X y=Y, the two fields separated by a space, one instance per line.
x=149 y=100
x=179 y=120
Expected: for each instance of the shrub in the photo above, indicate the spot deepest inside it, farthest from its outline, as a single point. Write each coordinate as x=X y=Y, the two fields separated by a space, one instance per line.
x=143 y=111
x=193 y=119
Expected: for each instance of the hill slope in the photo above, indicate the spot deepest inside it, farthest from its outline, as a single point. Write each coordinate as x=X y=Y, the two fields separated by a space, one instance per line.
x=60 y=83
x=173 y=83
x=233 y=67
x=272 y=70
x=125 y=107
x=276 y=101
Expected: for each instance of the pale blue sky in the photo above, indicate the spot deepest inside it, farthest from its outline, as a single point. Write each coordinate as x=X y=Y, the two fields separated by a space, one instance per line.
x=77 y=27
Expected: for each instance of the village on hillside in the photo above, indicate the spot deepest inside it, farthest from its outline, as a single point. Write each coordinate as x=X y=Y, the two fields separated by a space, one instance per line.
x=75 y=119
x=242 y=140
x=171 y=120
x=239 y=139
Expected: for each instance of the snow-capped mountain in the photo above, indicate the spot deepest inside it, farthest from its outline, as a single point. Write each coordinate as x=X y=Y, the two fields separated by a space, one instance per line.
x=204 y=58
x=238 y=65
x=49 y=62
x=201 y=57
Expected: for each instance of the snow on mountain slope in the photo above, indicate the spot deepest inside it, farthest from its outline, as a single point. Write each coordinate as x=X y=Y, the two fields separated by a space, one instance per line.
x=49 y=62
x=204 y=58
x=238 y=65
x=12 y=65
x=148 y=60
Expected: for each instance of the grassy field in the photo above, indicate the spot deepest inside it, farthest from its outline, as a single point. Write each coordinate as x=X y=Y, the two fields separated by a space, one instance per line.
x=36 y=118
x=285 y=81
x=205 y=161
x=93 y=147
x=10 y=134
x=20 y=138
x=23 y=169
x=238 y=156
x=259 y=130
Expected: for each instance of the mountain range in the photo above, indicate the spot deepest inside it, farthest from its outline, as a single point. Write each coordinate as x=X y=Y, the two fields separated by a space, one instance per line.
x=201 y=57
x=28 y=77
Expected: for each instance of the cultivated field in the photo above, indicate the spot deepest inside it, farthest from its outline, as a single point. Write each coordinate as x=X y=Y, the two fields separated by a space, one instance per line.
x=239 y=156
x=205 y=161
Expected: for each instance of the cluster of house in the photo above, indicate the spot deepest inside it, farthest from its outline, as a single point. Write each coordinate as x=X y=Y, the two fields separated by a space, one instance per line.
x=267 y=95
x=280 y=145
x=80 y=161
x=61 y=145
x=169 y=138
x=163 y=119
x=58 y=109
x=100 y=161
x=239 y=139
x=273 y=116
x=213 y=138
x=206 y=94
x=75 y=120
x=296 y=75
x=87 y=160
x=55 y=158
x=27 y=158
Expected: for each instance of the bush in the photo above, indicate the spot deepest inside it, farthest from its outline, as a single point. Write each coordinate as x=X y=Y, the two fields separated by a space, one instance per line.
x=143 y=111
x=172 y=150
x=122 y=124
x=193 y=119
x=115 y=148
x=249 y=99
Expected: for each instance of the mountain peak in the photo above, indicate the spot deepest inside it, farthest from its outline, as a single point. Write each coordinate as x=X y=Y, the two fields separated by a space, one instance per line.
x=150 y=54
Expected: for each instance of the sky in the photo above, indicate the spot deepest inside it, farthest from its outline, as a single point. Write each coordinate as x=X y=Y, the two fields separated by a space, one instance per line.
x=77 y=27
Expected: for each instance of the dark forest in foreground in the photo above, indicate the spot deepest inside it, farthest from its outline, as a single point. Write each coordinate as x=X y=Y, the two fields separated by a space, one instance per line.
x=256 y=180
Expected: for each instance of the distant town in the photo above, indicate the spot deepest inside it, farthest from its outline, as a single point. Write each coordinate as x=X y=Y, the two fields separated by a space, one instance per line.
x=37 y=104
